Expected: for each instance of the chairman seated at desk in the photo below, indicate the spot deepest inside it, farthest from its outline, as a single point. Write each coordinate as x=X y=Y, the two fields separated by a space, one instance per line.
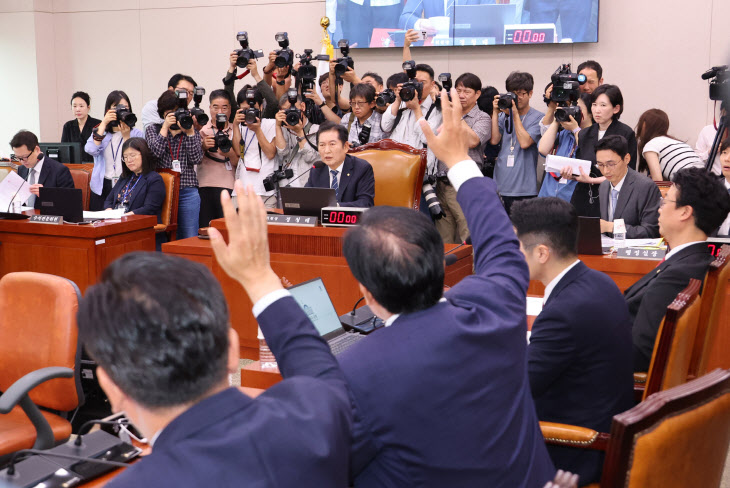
x=352 y=178
x=37 y=169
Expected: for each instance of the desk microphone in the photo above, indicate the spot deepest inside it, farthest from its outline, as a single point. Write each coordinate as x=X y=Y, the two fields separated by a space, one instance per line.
x=317 y=164
x=83 y=430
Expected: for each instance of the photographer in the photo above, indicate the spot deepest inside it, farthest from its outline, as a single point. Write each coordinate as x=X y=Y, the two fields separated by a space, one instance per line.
x=295 y=143
x=593 y=73
x=335 y=86
x=279 y=79
x=181 y=150
x=363 y=123
x=150 y=114
x=706 y=138
x=323 y=109
x=258 y=152
x=220 y=156
x=518 y=129
x=272 y=103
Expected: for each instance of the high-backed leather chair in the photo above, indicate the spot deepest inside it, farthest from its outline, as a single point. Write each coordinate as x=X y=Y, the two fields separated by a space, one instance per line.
x=169 y=206
x=81 y=174
x=398 y=170
x=664 y=187
x=39 y=360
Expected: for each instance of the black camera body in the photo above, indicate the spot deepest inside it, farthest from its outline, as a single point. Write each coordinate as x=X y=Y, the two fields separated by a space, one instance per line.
x=272 y=181
x=345 y=61
x=246 y=54
x=284 y=56
x=124 y=115
x=385 y=98
x=182 y=114
x=222 y=141
x=251 y=113
x=563 y=114
x=364 y=136
x=307 y=73
x=445 y=80
x=196 y=111
x=566 y=85
x=505 y=100
x=293 y=114
x=719 y=77
x=411 y=88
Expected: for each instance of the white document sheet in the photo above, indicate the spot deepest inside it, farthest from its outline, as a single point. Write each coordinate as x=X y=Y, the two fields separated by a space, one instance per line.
x=556 y=163
x=104 y=214
x=13 y=188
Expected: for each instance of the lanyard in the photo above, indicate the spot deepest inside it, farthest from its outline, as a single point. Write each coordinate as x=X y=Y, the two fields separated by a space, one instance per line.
x=128 y=191
x=246 y=143
x=169 y=146
x=114 y=156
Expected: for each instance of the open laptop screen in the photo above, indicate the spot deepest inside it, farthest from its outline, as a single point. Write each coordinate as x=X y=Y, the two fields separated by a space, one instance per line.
x=312 y=296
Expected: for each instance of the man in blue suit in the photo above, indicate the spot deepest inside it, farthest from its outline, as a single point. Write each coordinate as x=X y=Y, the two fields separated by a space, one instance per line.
x=413 y=10
x=440 y=394
x=580 y=354
x=351 y=177
x=166 y=361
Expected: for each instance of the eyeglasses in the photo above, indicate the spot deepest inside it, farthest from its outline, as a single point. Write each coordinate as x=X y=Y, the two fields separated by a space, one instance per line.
x=663 y=200
x=359 y=104
x=606 y=165
x=130 y=157
x=21 y=158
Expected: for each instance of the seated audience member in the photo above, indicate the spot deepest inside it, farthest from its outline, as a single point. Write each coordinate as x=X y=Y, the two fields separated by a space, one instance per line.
x=270 y=105
x=216 y=171
x=363 y=123
x=105 y=146
x=150 y=114
x=140 y=190
x=706 y=138
x=626 y=194
x=258 y=152
x=695 y=205
x=661 y=155
x=79 y=129
x=607 y=103
x=593 y=73
x=724 y=230
x=417 y=423
x=181 y=150
x=518 y=130
x=294 y=146
x=561 y=139
x=38 y=169
x=352 y=178
x=166 y=361
x=478 y=126
x=579 y=360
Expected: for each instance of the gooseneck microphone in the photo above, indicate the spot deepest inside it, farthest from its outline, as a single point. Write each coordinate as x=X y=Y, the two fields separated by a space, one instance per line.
x=16 y=194
x=83 y=430
x=450 y=258
x=317 y=164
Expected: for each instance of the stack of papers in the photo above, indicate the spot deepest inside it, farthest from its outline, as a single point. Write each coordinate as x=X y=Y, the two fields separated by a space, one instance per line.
x=104 y=214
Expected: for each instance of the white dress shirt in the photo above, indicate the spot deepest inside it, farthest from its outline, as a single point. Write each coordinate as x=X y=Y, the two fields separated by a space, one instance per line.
x=725 y=227
x=554 y=282
x=679 y=248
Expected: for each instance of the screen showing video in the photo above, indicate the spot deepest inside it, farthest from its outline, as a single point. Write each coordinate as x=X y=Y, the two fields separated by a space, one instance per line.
x=384 y=23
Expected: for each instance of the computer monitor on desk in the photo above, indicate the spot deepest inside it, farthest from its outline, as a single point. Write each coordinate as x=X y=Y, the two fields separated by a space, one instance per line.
x=63 y=152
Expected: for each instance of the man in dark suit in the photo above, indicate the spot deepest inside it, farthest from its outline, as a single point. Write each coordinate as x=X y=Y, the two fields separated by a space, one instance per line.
x=38 y=169
x=695 y=205
x=352 y=178
x=579 y=360
x=626 y=194
x=440 y=393
x=166 y=362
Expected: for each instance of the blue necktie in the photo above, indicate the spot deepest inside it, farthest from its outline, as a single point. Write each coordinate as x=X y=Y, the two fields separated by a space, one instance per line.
x=614 y=201
x=335 y=184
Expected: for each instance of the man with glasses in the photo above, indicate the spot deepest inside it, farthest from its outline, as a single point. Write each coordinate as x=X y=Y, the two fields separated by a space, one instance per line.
x=37 y=169
x=695 y=205
x=363 y=123
x=625 y=194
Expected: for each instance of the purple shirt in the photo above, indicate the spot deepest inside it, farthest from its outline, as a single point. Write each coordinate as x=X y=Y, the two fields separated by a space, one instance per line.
x=186 y=149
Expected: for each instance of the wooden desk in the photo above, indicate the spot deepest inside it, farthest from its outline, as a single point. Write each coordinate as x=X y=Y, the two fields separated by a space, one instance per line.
x=77 y=252
x=299 y=254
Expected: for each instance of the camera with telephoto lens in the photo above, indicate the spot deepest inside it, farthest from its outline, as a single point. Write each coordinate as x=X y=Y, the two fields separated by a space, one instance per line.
x=505 y=100
x=272 y=181
x=293 y=114
x=429 y=194
x=284 y=56
x=124 y=115
x=385 y=98
x=345 y=61
x=222 y=141
x=251 y=113
x=307 y=73
x=563 y=114
x=411 y=88
x=246 y=54
x=719 y=83
x=566 y=92
x=182 y=114
x=196 y=111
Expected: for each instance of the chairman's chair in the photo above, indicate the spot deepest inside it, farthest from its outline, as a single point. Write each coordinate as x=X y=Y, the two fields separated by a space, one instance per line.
x=171 y=179
x=39 y=360
x=81 y=174
x=398 y=170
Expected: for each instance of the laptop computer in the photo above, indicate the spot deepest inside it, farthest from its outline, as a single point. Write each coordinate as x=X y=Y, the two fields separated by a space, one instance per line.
x=306 y=201
x=66 y=202
x=482 y=21
x=313 y=298
x=589 y=236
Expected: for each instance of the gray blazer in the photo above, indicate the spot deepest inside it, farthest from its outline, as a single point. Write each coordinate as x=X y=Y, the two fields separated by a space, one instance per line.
x=638 y=205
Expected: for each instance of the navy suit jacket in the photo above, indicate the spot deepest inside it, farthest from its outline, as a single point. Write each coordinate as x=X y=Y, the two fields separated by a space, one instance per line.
x=414 y=9
x=441 y=396
x=356 y=185
x=295 y=434
x=638 y=204
x=649 y=297
x=147 y=197
x=53 y=175
x=580 y=362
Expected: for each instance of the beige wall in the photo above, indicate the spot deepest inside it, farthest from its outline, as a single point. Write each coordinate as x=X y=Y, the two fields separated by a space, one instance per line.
x=655 y=50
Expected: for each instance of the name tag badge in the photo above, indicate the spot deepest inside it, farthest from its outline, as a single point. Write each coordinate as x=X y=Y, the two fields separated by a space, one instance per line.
x=510 y=161
x=114 y=181
x=176 y=165
x=228 y=166
x=562 y=181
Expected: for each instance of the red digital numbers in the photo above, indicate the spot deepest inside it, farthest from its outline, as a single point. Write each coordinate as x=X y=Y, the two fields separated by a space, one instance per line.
x=342 y=218
x=528 y=37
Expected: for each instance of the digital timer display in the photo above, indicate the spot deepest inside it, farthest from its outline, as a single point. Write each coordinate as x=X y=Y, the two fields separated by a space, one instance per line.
x=715 y=246
x=341 y=217
x=529 y=34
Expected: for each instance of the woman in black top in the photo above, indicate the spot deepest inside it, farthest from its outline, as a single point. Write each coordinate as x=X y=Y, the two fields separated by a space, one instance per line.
x=79 y=129
x=607 y=103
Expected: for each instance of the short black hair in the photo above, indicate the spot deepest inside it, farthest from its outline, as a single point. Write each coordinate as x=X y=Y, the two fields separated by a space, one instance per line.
x=706 y=194
x=486 y=99
x=426 y=69
x=590 y=64
x=257 y=96
x=395 y=79
x=114 y=98
x=378 y=79
x=616 y=143
x=24 y=138
x=550 y=221
x=363 y=90
x=148 y=160
x=469 y=80
x=397 y=254
x=176 y=79
x=724 y=145
x=331 y=126
x=83 y=96
x=158 y=325
x=220 y=93
x=614 y=96
x=325 y=76
x=519 y=80
x=167 y=101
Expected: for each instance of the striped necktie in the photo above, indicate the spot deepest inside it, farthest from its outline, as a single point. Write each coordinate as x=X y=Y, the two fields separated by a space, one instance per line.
x=335 y=185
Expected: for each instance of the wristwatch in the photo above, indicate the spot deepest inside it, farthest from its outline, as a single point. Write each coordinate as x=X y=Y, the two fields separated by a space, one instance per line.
x=300 y=139
x=322 y=104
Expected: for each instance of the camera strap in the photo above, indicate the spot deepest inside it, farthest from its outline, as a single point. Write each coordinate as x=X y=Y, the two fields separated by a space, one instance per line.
x=214 y=158
x=430 y=109
x=398 y=116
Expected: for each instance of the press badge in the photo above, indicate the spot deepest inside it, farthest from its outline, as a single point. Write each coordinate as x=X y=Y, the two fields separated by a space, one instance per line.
x=114 y=181
x=176 y=165
x=228 y=166
x=511 y=161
